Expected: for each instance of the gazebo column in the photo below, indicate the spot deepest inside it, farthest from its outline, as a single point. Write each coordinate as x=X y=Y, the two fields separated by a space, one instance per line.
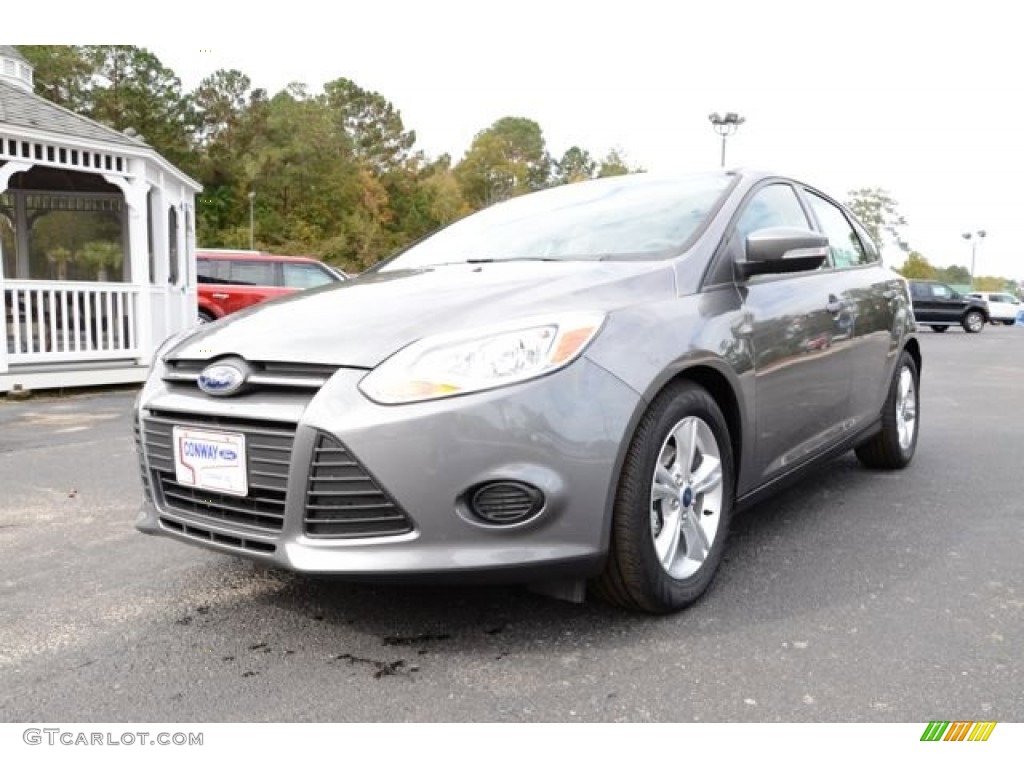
x=23 y=267
x=10 y=168
x=135 y=192
x=20 y=219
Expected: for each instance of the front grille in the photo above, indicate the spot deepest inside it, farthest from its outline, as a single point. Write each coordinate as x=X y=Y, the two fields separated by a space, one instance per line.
x=272 y=374
x=343 y=501
x=137 y=433
x=268 y=448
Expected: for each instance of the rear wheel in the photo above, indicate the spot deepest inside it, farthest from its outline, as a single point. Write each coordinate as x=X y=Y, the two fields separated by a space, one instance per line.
x=939 y=328
x=1008 y=322
x=672 y=508
x=974 y=321
x=893 y=447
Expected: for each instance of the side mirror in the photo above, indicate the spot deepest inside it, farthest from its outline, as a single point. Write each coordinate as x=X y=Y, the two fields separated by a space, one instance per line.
x=777 y=250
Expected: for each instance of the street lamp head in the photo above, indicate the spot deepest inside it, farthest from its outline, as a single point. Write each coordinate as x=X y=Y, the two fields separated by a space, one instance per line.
x=982 y=233
x=252 y=195
x=966 y=235
x=730 y=119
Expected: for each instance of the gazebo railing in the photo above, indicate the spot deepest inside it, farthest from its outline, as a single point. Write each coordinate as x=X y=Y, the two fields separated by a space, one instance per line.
x=56 y=322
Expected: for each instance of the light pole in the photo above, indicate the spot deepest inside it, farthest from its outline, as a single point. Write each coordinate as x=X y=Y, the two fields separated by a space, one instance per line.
x=974 y=237
x=726 y=126
x=252 y=198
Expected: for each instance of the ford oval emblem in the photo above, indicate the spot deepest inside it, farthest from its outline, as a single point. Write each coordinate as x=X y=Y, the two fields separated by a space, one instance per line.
x=221 y=379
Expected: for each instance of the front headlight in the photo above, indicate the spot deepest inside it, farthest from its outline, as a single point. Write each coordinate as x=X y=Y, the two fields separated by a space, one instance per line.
x=458 y=363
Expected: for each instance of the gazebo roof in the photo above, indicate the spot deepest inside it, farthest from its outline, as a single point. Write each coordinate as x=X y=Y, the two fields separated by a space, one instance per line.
x=11 y=52
x=22 y=109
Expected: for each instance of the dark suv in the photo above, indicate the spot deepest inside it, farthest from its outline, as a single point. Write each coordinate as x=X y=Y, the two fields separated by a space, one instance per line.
x=938 y=305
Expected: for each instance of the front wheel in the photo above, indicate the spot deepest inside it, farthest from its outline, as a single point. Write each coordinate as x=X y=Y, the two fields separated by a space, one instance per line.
x=893 y=447
x=974 y=321
x=203 y=317
x=939 y=328
x=672 y=508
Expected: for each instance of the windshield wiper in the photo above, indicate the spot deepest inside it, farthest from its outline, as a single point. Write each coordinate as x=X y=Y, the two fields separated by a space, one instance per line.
x=533 y=258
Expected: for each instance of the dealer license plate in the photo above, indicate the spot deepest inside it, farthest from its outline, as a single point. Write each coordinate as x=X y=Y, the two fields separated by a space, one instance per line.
x=213 y=461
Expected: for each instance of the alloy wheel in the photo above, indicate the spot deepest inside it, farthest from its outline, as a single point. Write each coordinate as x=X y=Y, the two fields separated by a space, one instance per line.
x=686 y=497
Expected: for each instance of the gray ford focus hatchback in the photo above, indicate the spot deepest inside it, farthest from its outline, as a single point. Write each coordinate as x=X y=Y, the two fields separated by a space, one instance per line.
x=577 y=386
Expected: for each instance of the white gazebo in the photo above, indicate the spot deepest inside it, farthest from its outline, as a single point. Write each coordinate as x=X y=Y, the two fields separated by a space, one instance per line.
x=97 y=244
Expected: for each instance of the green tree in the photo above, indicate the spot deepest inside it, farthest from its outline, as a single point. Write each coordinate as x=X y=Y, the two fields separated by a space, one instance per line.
x=614 y=164
x=220 y=102
x=371 y=123
x=133 y=89
x=505 y=160
x=576 y=165
x=63 y=74
x=991 y=284
x=917 y=267
x=879 y=213
x=955 y=274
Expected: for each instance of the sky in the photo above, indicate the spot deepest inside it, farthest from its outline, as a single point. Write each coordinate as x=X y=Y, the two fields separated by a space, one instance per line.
x=923 y=100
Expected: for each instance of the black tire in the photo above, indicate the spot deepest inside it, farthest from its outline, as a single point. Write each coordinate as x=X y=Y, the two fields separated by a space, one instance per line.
x=634 y=576
x=973 y=322
x=1009 y=322
x=204 y=317
x=886 y=450
x=940 y=328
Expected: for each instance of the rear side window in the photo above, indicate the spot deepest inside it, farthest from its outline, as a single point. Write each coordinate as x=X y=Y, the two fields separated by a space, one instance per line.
x=941 y=291
x=920 y=291
x=304 y=276
x=843 y=242
x=212 y=270
x=252 y=272
x=871 y=253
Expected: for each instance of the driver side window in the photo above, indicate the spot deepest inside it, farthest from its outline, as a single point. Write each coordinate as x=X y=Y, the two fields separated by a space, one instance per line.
x=772 y=206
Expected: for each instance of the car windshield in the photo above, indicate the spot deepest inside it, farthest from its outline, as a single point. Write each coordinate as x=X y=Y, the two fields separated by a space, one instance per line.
x=627 y=217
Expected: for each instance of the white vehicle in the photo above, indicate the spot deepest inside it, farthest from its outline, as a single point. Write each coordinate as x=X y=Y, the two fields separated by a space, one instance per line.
x=1002 y=307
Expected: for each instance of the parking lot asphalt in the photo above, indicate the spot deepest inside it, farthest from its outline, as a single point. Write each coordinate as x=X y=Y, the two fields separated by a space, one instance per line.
x=853 y=596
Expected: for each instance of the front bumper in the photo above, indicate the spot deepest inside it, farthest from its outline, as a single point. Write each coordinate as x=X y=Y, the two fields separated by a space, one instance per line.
x=561 y=433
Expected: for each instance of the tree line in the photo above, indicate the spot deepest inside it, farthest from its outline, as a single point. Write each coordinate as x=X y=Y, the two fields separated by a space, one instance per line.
x=335 y=174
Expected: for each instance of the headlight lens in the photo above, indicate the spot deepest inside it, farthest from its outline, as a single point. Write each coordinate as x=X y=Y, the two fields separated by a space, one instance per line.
x=455 y=364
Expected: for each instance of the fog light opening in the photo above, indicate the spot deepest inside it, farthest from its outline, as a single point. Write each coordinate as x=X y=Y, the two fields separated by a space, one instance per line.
x=505 y=502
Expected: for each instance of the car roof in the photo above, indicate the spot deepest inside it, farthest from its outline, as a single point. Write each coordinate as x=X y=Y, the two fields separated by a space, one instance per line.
x=213 y=253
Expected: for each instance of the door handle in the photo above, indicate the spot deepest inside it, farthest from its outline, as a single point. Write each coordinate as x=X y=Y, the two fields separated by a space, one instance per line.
x=220 y=295
x=834 y=306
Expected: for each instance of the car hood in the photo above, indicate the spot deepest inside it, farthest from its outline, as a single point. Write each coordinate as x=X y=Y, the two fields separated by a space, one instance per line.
x=361 y=322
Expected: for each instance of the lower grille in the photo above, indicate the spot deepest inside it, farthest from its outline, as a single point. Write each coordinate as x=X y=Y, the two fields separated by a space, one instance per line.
x=203 y=534
x=268 y=448
x=343 y=501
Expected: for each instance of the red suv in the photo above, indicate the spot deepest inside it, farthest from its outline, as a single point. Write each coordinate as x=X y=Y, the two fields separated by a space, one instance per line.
x=233 y=280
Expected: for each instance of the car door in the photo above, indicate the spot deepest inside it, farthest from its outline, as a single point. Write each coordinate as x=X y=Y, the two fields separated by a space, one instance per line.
x=949 y=304
x=874 y=295
x=798 y=326
x=921 y=295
